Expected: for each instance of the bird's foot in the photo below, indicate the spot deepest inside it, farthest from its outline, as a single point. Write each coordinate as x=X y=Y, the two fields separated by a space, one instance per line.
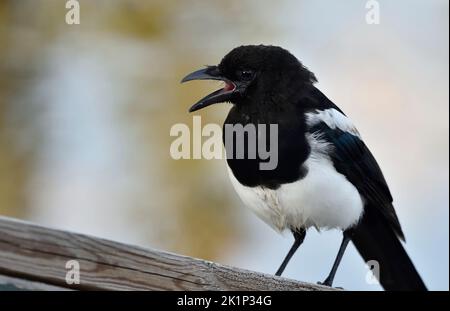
x=325 y=283
x=328 y=283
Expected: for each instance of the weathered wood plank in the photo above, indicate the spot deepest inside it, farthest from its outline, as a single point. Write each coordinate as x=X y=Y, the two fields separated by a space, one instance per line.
x=8 y=283
x=39 y=254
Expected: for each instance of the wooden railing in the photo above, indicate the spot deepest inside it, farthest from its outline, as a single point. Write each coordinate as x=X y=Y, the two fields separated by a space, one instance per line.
x=33 y=257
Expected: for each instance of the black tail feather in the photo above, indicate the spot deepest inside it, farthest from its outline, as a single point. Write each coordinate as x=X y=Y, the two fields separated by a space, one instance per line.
x=375 y=240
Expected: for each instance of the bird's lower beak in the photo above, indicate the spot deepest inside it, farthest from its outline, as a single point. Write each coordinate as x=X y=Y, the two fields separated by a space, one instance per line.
x=219 y=96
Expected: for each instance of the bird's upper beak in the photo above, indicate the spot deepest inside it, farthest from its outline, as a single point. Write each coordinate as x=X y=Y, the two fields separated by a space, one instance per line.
x=222 y=95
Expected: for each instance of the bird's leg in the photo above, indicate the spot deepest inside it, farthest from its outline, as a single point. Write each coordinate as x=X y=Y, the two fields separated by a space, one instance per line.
x=329 y=280
x=299 y=236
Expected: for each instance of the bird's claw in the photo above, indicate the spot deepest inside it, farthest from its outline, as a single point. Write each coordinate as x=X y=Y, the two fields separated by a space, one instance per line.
x=324 y=283
x=329 y=284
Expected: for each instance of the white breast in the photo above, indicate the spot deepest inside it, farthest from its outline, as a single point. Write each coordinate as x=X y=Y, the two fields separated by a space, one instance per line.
x=324 y=198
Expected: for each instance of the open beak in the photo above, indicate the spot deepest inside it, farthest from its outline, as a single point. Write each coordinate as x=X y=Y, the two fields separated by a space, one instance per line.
x=219 y=96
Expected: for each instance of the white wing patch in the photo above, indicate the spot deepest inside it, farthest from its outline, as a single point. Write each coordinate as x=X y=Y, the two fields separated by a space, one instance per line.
x=333 y=118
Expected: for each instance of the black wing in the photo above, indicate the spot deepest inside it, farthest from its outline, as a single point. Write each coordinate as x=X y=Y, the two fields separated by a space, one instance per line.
x=353 y=159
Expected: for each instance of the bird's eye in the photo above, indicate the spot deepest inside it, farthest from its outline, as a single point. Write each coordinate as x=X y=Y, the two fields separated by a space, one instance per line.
x=245 y=75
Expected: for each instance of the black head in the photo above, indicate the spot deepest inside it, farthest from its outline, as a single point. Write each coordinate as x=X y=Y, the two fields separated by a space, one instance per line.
x=254 y=73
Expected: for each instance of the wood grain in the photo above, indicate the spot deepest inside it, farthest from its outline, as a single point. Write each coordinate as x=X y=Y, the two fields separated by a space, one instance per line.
x=38 y=254
x=8 y=283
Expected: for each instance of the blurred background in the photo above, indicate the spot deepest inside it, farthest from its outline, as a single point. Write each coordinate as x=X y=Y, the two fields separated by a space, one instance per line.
x=85 y=114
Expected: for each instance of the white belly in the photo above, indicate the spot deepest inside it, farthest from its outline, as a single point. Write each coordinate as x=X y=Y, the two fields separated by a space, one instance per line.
x=324 y=199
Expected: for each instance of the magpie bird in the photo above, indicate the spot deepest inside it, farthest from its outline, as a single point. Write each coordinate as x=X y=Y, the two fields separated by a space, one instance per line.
x=326 y=176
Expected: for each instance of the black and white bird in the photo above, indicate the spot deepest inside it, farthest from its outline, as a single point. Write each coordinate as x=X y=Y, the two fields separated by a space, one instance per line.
x=326 y=176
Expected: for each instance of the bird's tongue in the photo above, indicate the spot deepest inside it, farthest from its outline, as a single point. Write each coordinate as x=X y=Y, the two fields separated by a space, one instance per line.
x=228 y=87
